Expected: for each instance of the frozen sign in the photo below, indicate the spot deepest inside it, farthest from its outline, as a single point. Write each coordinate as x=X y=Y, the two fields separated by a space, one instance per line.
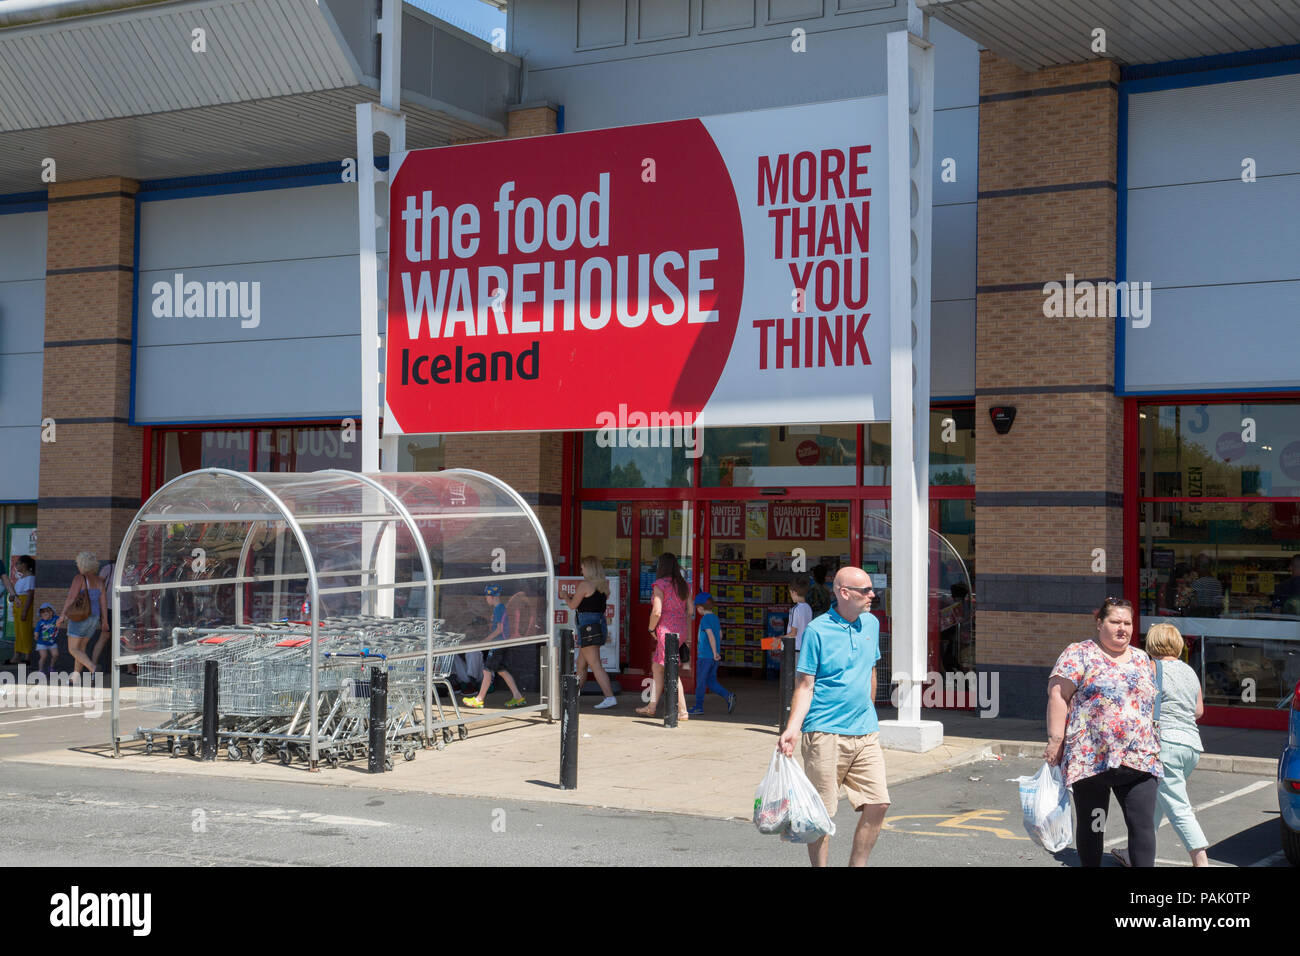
x=728 y=270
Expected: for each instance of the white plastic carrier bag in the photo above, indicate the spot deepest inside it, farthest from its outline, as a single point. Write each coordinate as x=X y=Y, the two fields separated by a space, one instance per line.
x=1045 y=804
x=787 y=803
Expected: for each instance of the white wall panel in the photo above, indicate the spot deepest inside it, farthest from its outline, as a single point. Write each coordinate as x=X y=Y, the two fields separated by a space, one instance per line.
x=952 y=254
x=301 y=359
x=1220 y=253
x=952 y=348
x=1240 y=337
x=1225 y=232
x=1202 y=133
x=22 y=338
x=259 y=226
x=304 y=378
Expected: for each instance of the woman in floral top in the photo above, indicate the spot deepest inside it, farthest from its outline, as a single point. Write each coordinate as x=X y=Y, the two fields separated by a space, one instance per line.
x=1106 y=689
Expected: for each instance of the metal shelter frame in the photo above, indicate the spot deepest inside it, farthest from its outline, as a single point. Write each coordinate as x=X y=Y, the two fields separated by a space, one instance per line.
x=383 y=505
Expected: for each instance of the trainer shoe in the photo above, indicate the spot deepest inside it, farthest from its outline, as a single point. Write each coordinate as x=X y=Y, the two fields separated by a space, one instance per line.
x=731 y=703
x=607 y=702
x=472 y=702
x=517 y=702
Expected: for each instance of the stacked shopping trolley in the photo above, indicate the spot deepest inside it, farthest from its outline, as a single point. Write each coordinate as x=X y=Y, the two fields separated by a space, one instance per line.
x=264 y=688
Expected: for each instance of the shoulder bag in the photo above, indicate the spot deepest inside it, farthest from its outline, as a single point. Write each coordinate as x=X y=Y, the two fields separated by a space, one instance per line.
x=1160 y=683
x=80 y=609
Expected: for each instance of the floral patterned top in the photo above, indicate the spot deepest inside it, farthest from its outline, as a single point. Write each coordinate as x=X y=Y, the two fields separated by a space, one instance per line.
x=1111 y=719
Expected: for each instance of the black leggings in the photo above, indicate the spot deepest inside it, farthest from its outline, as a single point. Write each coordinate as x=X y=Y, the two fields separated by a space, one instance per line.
x=1136 y=792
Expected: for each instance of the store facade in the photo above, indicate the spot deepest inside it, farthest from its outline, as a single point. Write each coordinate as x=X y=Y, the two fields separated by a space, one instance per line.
x=1123 y=439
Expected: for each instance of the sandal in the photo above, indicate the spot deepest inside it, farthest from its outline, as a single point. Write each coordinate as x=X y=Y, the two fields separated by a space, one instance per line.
x=683 y=715
x=648 y=710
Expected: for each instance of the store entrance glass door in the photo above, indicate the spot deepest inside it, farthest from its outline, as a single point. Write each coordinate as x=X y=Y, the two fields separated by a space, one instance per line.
x=754 y=549
x=655 y=527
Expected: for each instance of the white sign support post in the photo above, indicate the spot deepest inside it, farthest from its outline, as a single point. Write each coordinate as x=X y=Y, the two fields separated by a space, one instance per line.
x=911 y=147
x=372 y=220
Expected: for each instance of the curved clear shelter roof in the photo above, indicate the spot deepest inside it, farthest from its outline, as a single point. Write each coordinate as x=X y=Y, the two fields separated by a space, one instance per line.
x=214 y=548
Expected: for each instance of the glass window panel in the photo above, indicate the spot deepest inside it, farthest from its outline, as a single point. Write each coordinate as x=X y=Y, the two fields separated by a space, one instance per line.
x=952 y=448
x=1233 y=450
x=606 y=466
x=185 y=451
x=308 y=449
x=779 y=456
x=421 y=453
x=1227 y=575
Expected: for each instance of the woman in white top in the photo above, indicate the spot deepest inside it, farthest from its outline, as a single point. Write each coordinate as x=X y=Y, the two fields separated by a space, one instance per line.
x=1181 y=705
x=24 y=609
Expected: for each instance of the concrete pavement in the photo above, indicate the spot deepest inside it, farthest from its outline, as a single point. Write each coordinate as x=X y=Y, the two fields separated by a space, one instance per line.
x=709 y=766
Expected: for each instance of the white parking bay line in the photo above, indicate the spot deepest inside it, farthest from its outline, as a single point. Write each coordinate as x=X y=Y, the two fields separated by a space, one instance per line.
x=1257 y=785
x=336 y=821
x=85 y=712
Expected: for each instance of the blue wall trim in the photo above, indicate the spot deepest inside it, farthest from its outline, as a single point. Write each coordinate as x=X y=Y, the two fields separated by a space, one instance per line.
x=1180 y=74
x=36 y=201
x=221 y=423
x=1288 y=389
x=247 y=180
x=1199 y=64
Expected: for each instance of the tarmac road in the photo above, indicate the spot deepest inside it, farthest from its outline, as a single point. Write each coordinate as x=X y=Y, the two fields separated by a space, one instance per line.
x=968 y=816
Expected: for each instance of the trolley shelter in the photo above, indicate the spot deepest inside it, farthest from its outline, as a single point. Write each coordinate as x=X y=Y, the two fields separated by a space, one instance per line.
x=299 y=585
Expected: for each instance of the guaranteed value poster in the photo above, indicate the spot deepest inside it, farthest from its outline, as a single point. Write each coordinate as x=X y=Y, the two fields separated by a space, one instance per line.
x=720 y=271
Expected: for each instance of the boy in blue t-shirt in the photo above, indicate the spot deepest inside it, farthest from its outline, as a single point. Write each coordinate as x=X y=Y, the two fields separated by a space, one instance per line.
x=494 y=661
x=47 y=637
x=708 y=650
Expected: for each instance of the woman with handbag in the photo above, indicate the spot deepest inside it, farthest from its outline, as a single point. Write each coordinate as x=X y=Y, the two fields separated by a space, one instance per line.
x=1180 y=706
x=1101 y=726
x=670 y=613
x=83 y=611
x=589 y=600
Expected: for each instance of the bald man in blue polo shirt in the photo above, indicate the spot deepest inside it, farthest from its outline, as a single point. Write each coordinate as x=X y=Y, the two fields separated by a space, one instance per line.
x=833 y=714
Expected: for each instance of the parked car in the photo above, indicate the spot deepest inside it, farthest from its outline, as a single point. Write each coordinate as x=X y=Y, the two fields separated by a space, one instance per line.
x=1288 y=784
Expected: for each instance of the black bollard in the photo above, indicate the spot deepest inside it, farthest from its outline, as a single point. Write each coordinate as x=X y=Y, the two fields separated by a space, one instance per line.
x=671 y=665
x=569 y=733
x=788 y=664
x=378 y=719
x=209 y=751
x=568 y=653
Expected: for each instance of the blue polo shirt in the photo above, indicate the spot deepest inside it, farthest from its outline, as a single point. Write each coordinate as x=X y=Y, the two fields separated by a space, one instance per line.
x=840 y=656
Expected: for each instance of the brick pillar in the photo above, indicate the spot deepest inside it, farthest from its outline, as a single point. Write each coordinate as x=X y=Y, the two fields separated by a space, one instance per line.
x=1050 y=491
x=530 y=120
x=90 y=474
